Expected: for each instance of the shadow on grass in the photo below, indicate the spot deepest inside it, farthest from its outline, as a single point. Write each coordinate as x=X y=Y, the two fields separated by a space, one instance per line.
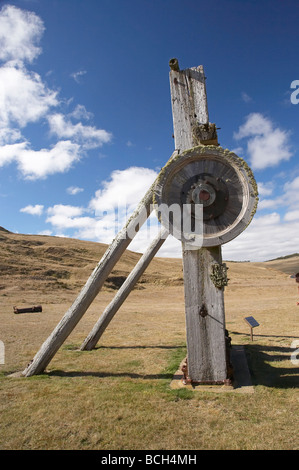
x=256 y=335
x=103 y=375
x=177 y=353
x=267 y=366
x=271 y=365
x=139 y=347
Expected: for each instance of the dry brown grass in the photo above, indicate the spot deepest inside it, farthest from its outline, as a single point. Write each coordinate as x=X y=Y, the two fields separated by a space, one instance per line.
x=118 y=396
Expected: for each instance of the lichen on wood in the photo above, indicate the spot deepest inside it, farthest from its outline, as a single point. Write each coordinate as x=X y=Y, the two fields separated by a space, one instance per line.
x=204 y=134
x=219 y=275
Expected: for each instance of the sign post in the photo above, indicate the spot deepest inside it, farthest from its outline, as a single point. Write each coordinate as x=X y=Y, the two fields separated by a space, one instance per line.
x=252 y=323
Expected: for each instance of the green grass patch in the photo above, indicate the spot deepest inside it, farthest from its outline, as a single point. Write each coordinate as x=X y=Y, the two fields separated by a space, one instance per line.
x=175 y=358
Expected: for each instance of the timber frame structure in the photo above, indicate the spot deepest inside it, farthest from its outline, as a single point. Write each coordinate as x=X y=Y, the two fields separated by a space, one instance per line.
x=197 y=149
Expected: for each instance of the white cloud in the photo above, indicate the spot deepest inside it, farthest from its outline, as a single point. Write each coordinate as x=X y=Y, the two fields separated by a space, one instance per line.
x=291 y=216
x=39 y=164
x=77 y=75
x=272 y=235
x=269 y=150
x=293 y=185
x=238 y=150
x=269 y=204
x=80 y=112
x=116 y=201
x=65 y=210
x=9 y=136
x=171 y=248
x=266 y=146
x=125 y=188
x=34 y=164
x=24 y=98
x=287 y=195
x=67 y=217
x=110 y=208
x=267 y=237
x=10 y=152
x=265 y=189
x=61 y=235
x=88 y=136
x=291 y=193
x=45 y=232
x=246 y=97
x=73 y=190
x=20 y=32
x=266 y=220
x=255 y=124
x=33 y=210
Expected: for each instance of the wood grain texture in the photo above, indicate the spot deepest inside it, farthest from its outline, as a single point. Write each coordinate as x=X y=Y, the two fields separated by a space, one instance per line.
x=205 y=335
x=189 y=104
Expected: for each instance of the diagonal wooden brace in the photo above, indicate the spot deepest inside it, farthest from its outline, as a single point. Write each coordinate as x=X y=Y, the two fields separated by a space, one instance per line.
x=109 y=312
x=91 y=288
x=93 y=285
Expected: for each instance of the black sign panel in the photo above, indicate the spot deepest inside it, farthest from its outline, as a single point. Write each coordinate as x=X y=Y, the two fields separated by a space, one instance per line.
x=251 y=322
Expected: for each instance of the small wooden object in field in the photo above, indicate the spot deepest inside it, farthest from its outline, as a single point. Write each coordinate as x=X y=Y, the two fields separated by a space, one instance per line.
x=252 y=323
x=37 y=308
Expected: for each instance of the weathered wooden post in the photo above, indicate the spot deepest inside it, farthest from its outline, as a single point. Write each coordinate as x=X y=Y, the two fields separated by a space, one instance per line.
x=204 y=173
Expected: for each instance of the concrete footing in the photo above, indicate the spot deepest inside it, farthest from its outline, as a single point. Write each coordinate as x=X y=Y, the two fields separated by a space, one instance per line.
x=241 y=382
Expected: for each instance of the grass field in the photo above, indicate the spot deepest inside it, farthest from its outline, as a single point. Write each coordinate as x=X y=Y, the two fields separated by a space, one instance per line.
x=118 y=396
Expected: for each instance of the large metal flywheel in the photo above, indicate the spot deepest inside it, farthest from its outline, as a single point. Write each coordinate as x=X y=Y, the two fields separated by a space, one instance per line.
x=217 y=179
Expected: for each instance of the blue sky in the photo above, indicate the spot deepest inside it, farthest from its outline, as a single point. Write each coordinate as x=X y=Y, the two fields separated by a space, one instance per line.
x=85 y=110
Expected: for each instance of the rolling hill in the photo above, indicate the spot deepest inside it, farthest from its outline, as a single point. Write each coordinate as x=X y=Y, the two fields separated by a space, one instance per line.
x=50 y=263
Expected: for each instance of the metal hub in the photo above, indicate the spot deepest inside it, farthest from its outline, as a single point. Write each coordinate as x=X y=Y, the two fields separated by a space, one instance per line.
x=202 y=193
x=209 y=191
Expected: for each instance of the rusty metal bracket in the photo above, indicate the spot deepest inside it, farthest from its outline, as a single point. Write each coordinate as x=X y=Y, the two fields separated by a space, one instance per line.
x=186 y=379
x=203 y=312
